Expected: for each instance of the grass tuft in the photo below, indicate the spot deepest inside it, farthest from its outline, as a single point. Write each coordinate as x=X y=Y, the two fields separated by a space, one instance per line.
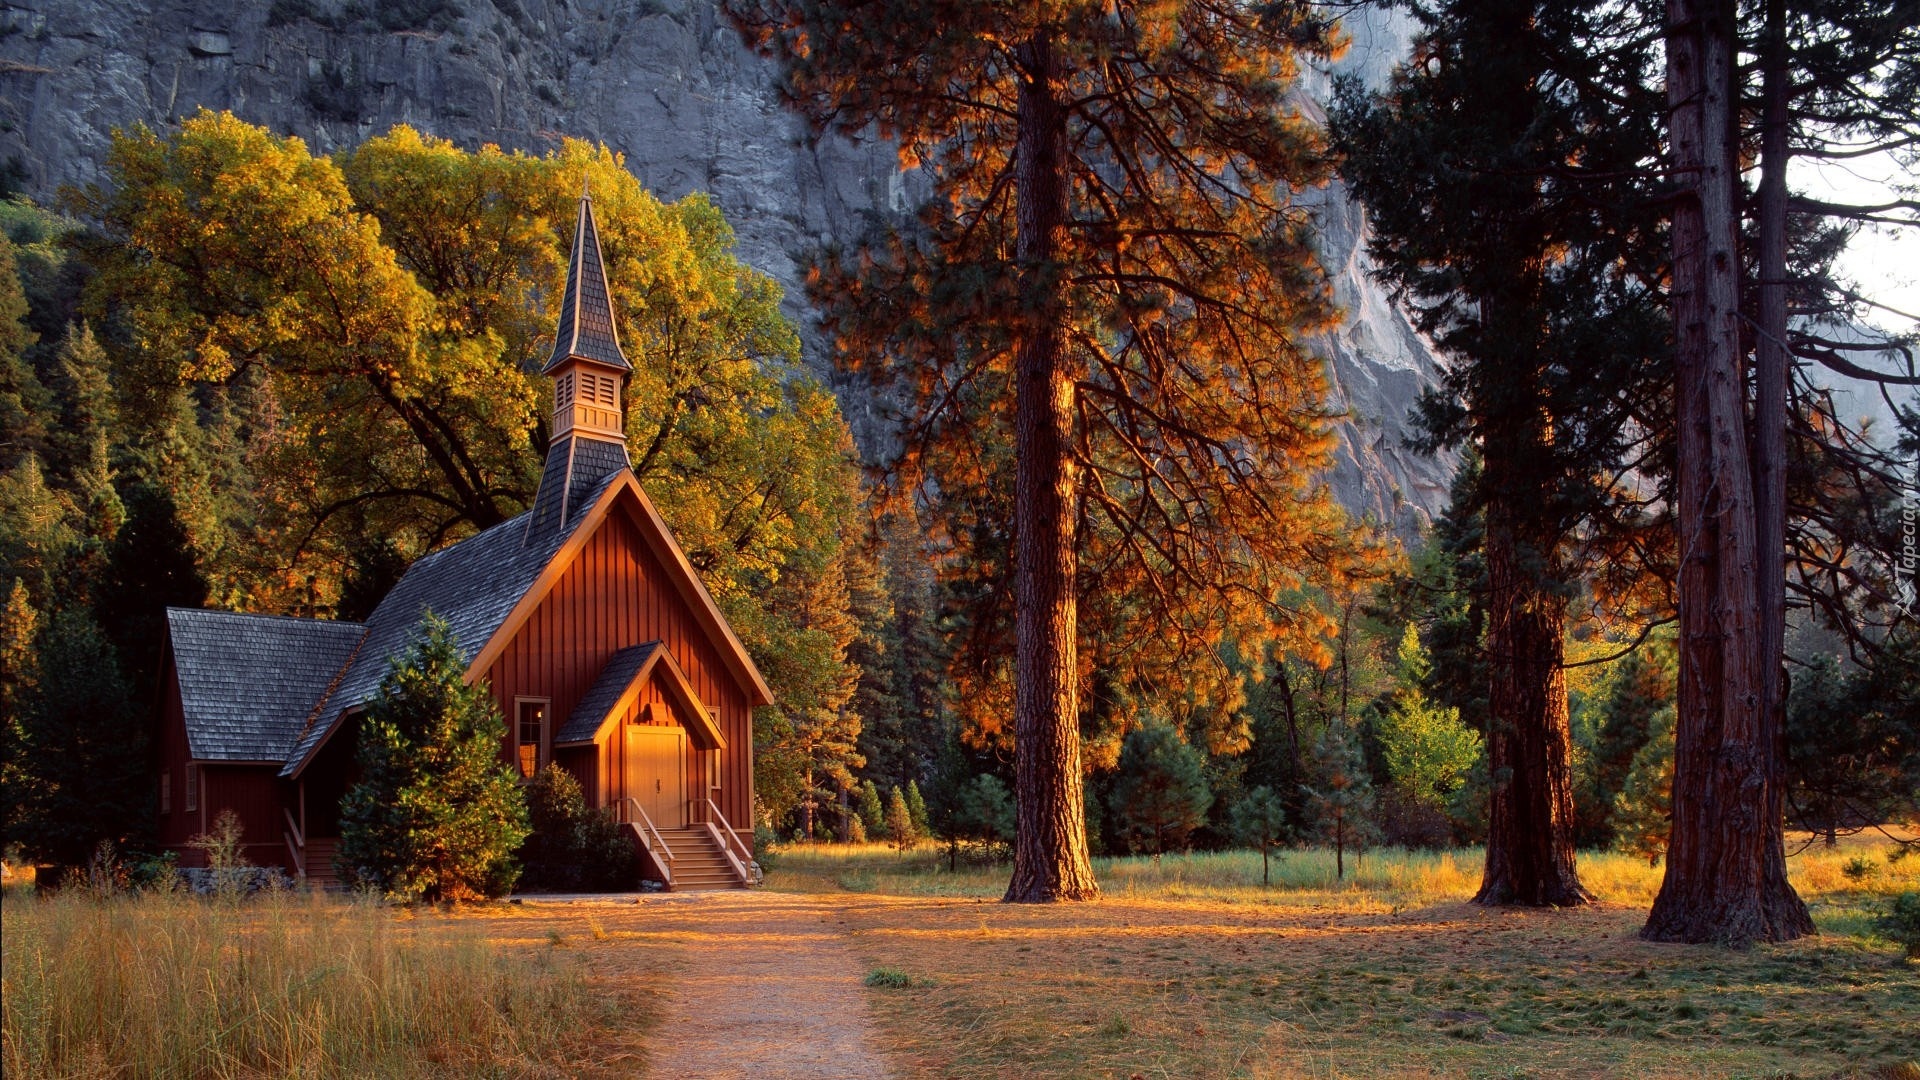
x=893 y=979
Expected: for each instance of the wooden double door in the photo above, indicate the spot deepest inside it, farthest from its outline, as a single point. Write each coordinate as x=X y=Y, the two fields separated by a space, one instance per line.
x=656 y=772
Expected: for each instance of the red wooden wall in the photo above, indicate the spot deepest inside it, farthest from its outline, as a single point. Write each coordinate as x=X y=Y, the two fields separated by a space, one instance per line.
x=250 y=791
x=614 y=595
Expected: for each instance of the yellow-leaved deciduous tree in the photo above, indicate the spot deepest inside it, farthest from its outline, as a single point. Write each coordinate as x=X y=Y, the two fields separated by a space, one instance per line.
x=398 y=300
x=387 y=312
x=754 y=447
x=236 y=254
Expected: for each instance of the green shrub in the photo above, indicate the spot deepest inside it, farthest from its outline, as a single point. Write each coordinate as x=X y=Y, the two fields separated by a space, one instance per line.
x=765 y=846
x=572 y=846
x=437 y=816
x=1901 y=923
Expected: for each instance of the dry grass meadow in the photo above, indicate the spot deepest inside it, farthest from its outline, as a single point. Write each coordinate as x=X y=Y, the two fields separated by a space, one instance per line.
x=169 y=985
x=1188 y=968
x=1192 y=969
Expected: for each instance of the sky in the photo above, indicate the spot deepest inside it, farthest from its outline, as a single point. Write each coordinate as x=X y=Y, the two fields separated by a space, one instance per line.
x=1883 y=259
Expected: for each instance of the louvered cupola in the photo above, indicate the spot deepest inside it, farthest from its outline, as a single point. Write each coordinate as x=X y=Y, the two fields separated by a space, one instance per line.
x=589 y=374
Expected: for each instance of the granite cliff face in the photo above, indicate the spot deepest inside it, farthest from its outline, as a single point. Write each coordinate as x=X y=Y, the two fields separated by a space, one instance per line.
x=665 y=82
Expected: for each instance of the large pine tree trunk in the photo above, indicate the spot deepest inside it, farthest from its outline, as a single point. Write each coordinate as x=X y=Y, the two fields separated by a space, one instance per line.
x=1530 y=820
x=1050 y=859
x=1770 y=374
x=1726 y=875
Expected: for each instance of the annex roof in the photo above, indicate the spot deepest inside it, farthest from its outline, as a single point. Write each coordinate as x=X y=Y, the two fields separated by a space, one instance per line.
x=249 y=682
x=619 y=683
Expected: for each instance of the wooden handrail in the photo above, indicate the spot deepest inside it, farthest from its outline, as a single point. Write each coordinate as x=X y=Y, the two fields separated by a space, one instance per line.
x=294 y=828
x=645 y=826
x=299 y=855
x=725 y=833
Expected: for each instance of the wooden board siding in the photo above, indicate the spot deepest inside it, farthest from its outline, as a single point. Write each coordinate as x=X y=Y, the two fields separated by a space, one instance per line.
x=614 y=595
x=176 y=825
x=252 y=792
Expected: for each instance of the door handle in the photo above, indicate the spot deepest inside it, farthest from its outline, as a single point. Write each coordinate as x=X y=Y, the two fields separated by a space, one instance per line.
x=656 y=785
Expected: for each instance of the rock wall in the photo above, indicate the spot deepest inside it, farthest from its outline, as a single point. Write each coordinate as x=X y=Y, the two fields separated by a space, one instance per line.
x=665 y=82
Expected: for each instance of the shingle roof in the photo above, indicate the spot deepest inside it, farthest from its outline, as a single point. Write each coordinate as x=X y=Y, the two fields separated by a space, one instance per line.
x=249 y=682
x=586 y=308
x=576 y=468
x=621 y=670
x=474 y=585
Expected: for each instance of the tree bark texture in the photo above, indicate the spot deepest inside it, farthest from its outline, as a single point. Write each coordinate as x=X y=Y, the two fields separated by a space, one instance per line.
x=1530 y=856
x=1050 y=860
x=1770 y=375
x=1726 y=875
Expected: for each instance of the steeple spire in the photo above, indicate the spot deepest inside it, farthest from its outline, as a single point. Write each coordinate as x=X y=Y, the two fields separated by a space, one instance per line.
x=586 y=308
x=589 y=373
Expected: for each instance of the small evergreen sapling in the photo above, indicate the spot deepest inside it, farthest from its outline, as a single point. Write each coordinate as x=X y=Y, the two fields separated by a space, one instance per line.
x=873 y=815
x=1162 y=790
x=917 y=808
x=571 y=845
x=1343 y=800
x=437 y=815
x=1261 y=821
x=899 y=821
x=1643 y=811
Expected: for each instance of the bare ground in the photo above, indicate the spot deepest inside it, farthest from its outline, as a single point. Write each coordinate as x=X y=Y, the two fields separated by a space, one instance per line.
x=734 y=984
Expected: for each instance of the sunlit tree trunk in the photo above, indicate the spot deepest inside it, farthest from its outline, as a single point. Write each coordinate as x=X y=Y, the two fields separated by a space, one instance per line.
x=1726 y=877
x=1050 y=860
x=1530 y=856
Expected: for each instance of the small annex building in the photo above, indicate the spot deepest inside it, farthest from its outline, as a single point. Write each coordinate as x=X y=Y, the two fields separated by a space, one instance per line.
x=600 y=644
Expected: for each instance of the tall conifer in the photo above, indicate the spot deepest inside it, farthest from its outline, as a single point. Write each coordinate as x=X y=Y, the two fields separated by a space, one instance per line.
x=1504 y=170
x=1111 y=280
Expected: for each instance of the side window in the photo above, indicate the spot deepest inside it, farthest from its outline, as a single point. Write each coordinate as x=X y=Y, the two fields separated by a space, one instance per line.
x=532 y=741
x=713 y=769
x=166 y=791
x=192 y=792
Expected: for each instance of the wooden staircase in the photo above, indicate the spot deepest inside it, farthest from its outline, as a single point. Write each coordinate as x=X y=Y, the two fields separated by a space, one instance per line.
x=319 y=854
x=698 y=863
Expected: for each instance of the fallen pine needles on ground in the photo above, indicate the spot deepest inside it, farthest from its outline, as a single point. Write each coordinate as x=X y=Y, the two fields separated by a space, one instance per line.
x=1192 y=969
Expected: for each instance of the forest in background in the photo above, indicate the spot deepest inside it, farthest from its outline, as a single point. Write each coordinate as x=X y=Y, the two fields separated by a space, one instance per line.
x=201 y=407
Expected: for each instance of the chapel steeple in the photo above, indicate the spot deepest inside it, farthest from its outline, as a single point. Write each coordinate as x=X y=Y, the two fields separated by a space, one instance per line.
x=589 y=375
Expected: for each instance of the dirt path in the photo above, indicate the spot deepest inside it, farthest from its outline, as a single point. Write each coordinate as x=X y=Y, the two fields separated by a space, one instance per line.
x=758 y=984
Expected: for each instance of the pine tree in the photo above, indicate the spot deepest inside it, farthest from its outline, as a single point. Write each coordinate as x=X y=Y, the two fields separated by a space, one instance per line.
x=1110 y=284
x=150 y=566
x=1260 y=821
x=436 y=814
x=986 y=810
x=1427 y=750
x=873 y=816
x=917 y=808
x=1341 y=798
x=25 y=403
x=899 y=821
x=36 y=531
x=83 y=748
x=1643 y=810
x=85 y=395
x=1641 y=687
x=1506 y=185
x=19 y=674
x=1161 y=791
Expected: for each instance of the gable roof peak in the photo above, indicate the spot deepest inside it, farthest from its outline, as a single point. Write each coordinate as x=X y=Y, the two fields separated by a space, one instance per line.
x=586 y=330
